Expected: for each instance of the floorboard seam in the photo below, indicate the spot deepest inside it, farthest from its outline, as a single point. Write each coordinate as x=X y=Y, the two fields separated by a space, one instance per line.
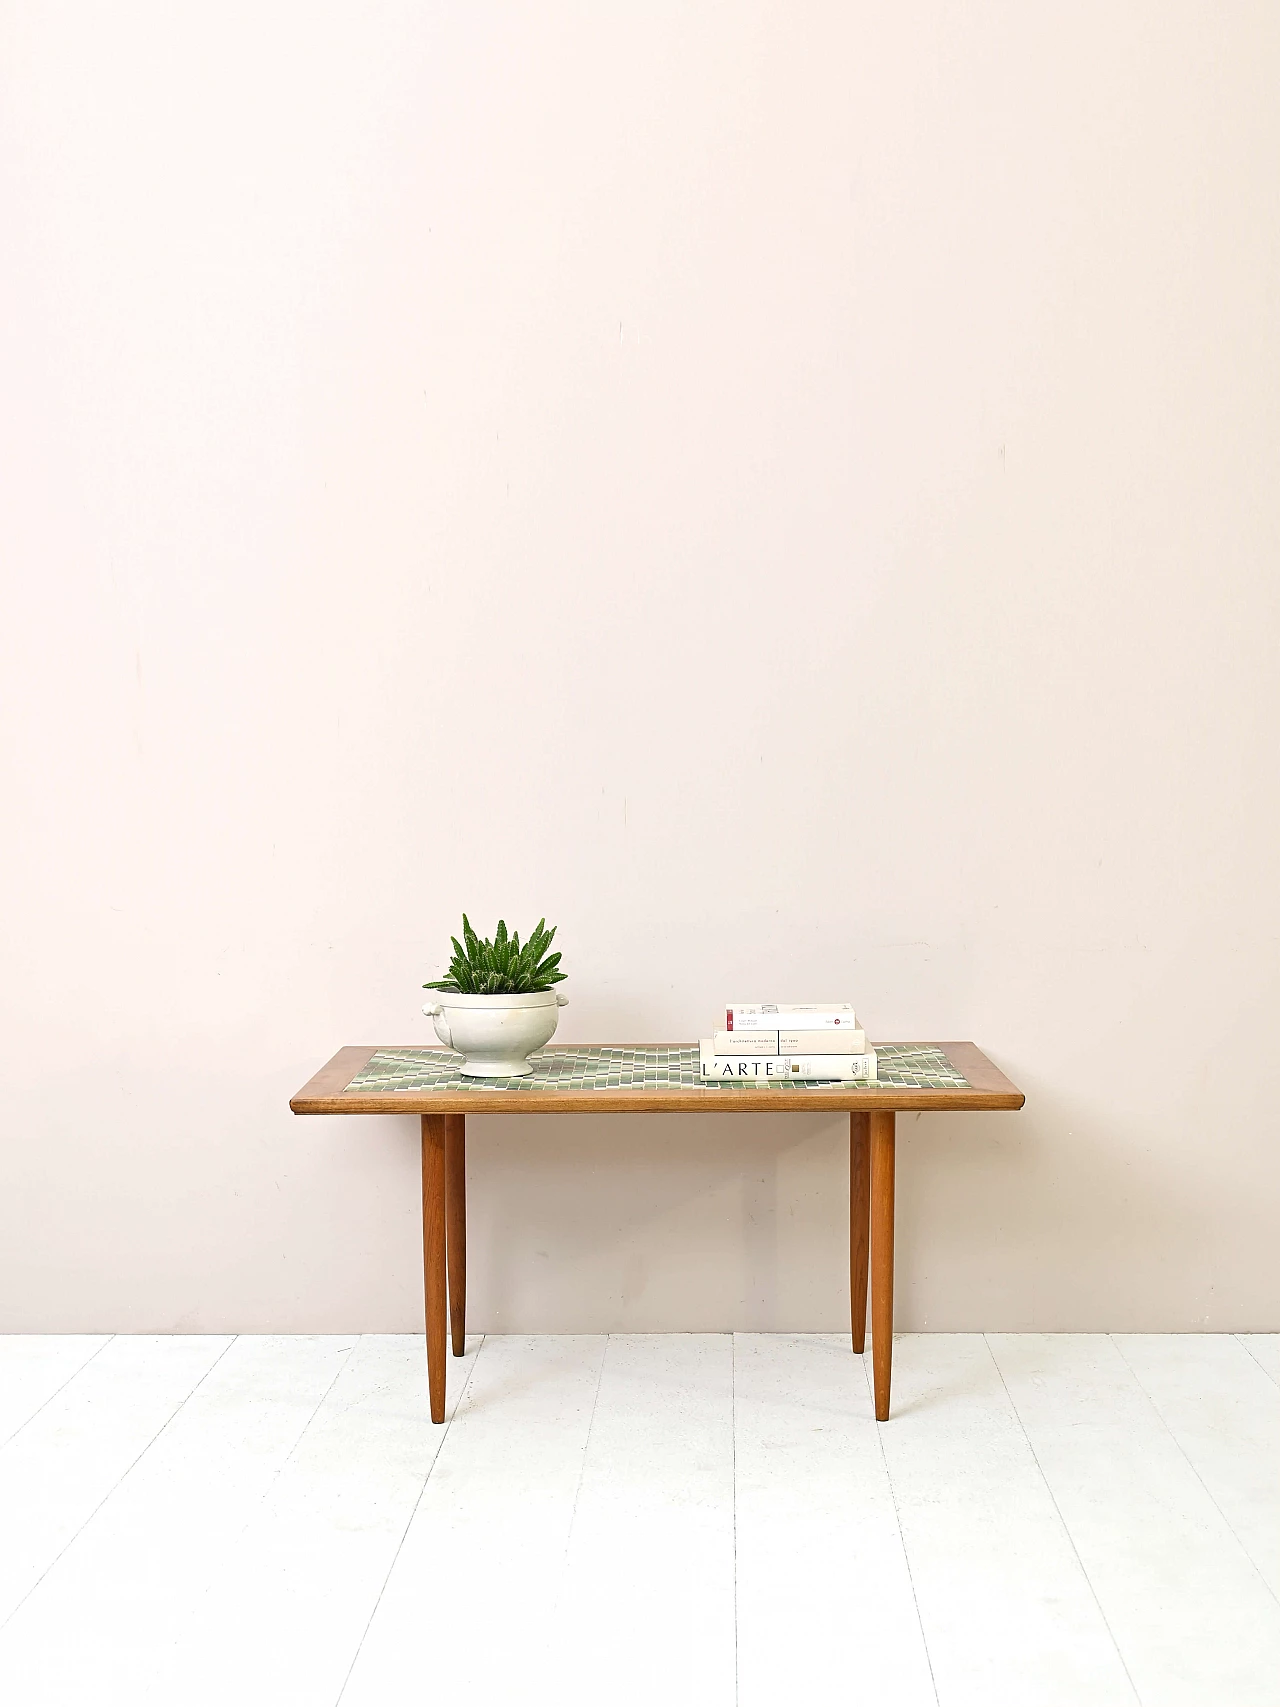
x=1243 y=1339
x=128 y=1471
x=1199 y=1478
x=582 y=1471
x=902 y=1538
x=265 y=1495
x=1066 y=1530
x=409 y=1524
x=78 y=1370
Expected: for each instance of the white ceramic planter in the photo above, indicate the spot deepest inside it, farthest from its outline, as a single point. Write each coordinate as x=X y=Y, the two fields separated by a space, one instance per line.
x=496 y=1034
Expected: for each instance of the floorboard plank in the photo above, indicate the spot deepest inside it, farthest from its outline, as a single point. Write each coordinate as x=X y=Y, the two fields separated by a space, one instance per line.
x=1265 y=1349
x=466 y=1608
x=1008 y=1614
x=1224 y=1412
x=649 y=1570
x=302 y=1579
x=68 y=1459
x=824 y=1593
x=1191 y=1615
x=34 y=1367
x=135 y=1585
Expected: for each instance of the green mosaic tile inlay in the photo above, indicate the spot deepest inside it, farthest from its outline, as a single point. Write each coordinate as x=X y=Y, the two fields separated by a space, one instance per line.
x=899 y=1065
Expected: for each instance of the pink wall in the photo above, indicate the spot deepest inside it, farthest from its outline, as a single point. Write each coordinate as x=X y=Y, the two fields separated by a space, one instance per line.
x=787 y=491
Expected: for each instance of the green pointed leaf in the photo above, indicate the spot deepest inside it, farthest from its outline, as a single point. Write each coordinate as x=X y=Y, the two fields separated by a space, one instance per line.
x=501 y=965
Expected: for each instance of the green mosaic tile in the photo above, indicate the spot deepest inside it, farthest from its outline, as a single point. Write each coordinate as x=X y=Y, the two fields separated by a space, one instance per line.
x=899 y=1065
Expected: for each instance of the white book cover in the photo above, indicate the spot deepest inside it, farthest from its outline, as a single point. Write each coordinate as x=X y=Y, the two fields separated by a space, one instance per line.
x=765 y=1069
x=830 y=1042
x=789 y=1016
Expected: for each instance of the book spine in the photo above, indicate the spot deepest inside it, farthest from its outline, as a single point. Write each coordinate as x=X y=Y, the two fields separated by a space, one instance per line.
x=768 y=1069
x=842 y=1042
x=780 y=1016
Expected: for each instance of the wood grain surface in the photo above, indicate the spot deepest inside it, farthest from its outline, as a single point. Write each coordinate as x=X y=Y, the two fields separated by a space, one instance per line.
x=859 y=1223
x=882 y=1195
x=433 y=1255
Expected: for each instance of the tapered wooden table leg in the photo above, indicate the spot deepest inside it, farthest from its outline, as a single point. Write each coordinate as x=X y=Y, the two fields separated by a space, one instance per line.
x=455 y=1215
x=882 y=1168
x=433 y=1171
x=859 y=1223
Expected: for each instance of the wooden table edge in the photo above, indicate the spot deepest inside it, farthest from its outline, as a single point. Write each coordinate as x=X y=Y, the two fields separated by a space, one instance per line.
x=325 y=1093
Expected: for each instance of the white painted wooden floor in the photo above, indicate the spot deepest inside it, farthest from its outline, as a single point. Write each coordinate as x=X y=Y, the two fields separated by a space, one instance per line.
x=676 y=1519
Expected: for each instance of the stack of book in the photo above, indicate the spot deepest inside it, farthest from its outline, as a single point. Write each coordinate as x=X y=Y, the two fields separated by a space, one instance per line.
x=777 y=1041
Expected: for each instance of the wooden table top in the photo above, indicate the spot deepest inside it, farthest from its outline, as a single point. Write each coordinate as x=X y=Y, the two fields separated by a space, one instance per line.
x=984 y=1087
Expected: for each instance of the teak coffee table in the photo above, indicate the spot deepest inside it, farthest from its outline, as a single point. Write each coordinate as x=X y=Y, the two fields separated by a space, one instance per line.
x=650 y=1079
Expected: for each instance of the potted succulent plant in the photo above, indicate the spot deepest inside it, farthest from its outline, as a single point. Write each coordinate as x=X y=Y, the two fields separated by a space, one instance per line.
x=498 y=1000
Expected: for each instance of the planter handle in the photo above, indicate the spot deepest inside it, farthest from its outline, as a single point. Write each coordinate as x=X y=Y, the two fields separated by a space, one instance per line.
x=435 y=1012
x=561 y=1001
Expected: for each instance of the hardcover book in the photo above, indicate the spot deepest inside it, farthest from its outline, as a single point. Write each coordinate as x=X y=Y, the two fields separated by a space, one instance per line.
x=789 y=1016
x=851 y=1041
x=766 y=1069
